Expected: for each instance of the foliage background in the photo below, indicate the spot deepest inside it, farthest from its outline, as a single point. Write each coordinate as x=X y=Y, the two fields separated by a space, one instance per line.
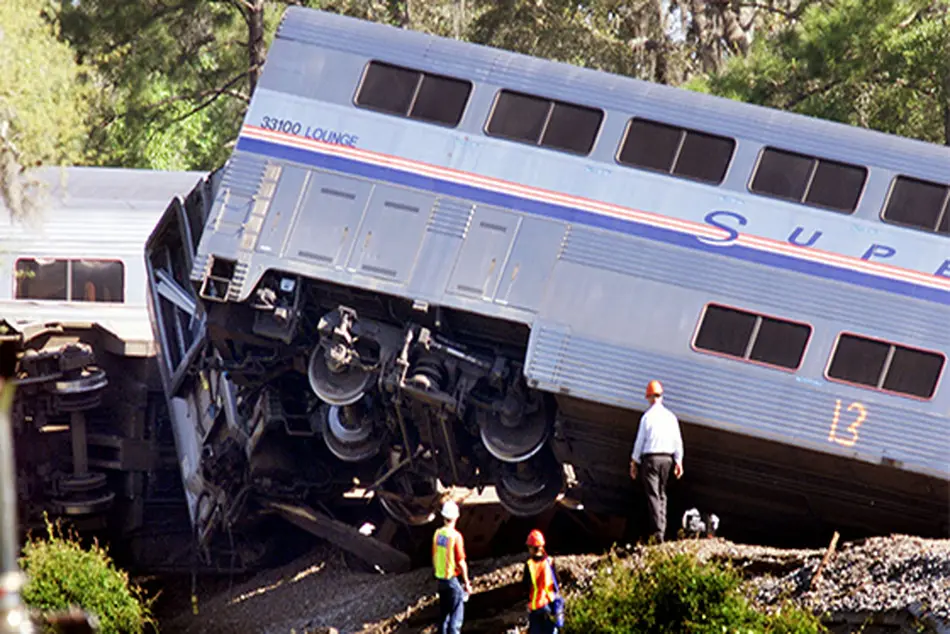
x=164 y=84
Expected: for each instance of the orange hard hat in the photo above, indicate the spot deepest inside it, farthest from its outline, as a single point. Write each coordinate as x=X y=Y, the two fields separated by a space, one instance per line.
x=535 y=538
x=654 y=388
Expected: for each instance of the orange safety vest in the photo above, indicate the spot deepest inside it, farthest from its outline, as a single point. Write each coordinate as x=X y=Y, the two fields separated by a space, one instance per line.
x=443 y=552
x=542 y=583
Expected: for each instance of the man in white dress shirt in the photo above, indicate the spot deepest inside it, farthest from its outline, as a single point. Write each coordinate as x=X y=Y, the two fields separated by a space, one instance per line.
x=658 y=447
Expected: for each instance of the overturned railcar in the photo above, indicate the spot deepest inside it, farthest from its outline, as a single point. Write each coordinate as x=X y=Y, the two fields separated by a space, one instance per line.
x=93 y=441
x=429 y=263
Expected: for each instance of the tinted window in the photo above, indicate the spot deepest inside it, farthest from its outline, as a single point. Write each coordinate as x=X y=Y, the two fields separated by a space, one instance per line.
x=783 y=174
x=916 y=203
x=725 y=330
x=914 y=372
x=858 y=360
x=780 y=343
x=704 y=157
x=678 y=151
x=945 y=223
x=650 y=145
x=753 y=337
x=553 y=124
x=441 y=99
x=519 y=117
x=388 y=88
x=808 y=179
x=910 y=371
x=572 y=128
x=836 y=186
x=97 y=281
x=41 y=279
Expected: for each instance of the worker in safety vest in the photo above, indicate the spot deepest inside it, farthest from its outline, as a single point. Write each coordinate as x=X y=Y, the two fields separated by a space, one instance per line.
x=545 y=605
x=448 y=563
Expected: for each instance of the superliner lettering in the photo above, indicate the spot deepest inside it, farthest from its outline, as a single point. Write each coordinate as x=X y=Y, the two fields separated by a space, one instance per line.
x=289 y=126
x=875 y=251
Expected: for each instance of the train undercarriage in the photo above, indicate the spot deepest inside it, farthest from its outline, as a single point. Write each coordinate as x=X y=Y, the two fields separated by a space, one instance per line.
x=310 y=396
x=93 y=445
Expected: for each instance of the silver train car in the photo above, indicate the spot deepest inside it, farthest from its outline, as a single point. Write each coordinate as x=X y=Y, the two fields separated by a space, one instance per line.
x=93 y=441
x=431 y=263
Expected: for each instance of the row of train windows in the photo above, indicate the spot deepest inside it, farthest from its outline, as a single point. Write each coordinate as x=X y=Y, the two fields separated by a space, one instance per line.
x=869 y=362
x=651 y=145
x=70 y=280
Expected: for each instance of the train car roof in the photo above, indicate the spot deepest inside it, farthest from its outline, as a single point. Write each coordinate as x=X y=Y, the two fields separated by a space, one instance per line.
x=108 y=188
x=610 y=91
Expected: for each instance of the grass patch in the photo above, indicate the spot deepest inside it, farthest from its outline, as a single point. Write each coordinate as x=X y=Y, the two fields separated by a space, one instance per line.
x=676 y=593
x=62 y=573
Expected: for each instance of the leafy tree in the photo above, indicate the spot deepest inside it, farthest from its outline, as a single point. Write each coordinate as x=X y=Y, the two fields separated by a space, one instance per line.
x=882 y=64
x=44 y=95
x=178 y=74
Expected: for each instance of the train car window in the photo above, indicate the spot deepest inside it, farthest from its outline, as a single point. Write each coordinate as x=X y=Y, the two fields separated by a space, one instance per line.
x=678 y=151
x=836 y=186
x=918 y=203
x=783 y=174
x=572 y=128
x=650 y=145
x=780 y=343
x=388 y=88
x=725 y=330
x=518 y=116
x=888 y=366
x=97 y=281
x=944 y=227
x=810 y=180
x=539 y=121
x=704 y=157
x=441 y=100
x=914 y=372
x=41 y=279
x=752 y=337
x=858 y=360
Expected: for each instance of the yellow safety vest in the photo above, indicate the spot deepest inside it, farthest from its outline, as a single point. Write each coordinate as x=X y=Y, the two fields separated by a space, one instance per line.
x=542 y=584
x=443 y=552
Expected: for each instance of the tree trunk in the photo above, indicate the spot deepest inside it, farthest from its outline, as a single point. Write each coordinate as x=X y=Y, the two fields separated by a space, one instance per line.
x=946 y=107
x=255 y=42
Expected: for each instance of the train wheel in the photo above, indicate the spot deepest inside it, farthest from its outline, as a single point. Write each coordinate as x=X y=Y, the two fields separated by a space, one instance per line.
x=513 y=438
x=530 y=487
x=342 y=387
x=349 y=432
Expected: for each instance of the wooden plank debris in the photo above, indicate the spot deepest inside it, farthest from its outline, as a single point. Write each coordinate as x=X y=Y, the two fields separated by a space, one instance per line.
x=369 y=549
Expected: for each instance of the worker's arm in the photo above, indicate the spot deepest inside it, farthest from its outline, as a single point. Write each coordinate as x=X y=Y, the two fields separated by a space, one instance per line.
x=463 y=565
x=637 y=450
x=678 y=452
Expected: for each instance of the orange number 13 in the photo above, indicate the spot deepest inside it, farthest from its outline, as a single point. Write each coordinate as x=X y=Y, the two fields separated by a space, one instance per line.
x=860 y=413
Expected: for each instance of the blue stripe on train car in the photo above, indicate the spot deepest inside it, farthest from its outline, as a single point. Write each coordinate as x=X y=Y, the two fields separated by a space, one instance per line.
x=570 y=214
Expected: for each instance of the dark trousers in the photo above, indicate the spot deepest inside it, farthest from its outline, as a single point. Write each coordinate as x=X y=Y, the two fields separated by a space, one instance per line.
x=541 y=621
x=655 y=473
x=451 y=606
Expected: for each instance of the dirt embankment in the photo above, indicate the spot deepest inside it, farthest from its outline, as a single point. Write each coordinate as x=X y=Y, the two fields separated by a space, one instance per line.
x=893 y=578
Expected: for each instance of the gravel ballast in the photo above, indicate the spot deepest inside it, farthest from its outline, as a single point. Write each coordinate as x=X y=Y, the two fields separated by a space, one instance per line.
x=877 y=575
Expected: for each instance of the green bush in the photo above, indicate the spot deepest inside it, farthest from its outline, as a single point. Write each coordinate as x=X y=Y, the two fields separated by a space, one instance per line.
x=676 y=593
x=62 y=574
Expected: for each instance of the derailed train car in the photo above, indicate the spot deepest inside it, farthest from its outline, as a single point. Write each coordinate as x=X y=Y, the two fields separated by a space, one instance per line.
x=93 y=443
x=431 y=263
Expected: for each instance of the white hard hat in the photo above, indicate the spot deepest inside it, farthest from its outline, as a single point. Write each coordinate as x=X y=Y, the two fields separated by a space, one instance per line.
x=450 y=510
